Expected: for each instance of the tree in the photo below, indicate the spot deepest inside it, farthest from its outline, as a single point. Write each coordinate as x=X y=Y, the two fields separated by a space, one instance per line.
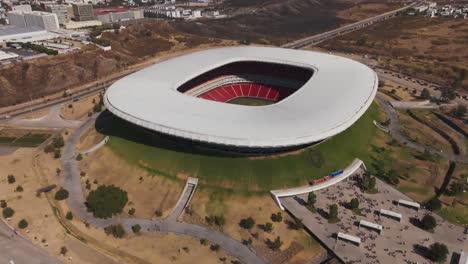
x=204 y=241
x=459 y=111
x=354 y=203
x=19 y=188
x=457 y=187
x=131 y=211
x=158 y=213
x=11 y=179
x=278 y=217
x=247 y=223
x=69 y=215
x=268 y=227
x=136 y=228
x=57 y=154
x=392 y=177
x=333 y=212
x=311 y=199
x=106 y=201
x=428 y=222
x=8 y=212
x=275 y=244
x=215 y=247
x=79 y=157
x=61 y=194
x=23 y=224
x=433 y=204
x=438 y=252
x=218 y=220
x=115 y=230
x=58 y=142
x=63 y=251
x=3 y=204
x=425 y=94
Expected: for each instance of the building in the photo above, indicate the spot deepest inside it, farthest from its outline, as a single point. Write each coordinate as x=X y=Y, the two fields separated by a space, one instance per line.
x=21 y=8
x=24 y=34
x=117 y=14
x=305 y=91
x=82 y=24
x=83 y=12
x=61 y=11
x=47 y=21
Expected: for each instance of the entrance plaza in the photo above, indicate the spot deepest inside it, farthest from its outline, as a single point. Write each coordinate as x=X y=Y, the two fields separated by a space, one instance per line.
x=398 y=242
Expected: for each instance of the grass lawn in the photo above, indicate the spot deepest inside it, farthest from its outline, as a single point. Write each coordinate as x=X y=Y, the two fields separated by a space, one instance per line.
x=243 y=173
x=251 y=101
x=457 y=214
x=27 y=141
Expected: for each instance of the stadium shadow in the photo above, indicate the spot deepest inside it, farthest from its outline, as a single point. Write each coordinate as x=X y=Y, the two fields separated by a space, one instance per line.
x=111 y=125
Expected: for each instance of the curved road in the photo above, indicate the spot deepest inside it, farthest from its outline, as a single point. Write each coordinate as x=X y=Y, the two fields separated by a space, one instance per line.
x=395 y=131
x=76 y=202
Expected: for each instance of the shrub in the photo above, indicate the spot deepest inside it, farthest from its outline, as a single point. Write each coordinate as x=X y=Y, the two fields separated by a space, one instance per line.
x=278 y=217
x=115 y=230
x=136 y=228
x=425 y=94
x=8 y=212
x=131 y=211
x=3 y=204
x=354 y=204
x=58 y=142
x=57 y=154
x=11 y=179
x=333 y=213
x=106 y=201
x=23 y=224
x=63 y=251
x=218 y=220
x=204 y=242
x=275 y=244
x=69 y=215
x=19 y=188
x=247 y=223
x=311 y=199
x=215 y=247
x=49 y=149
x=158 y=213
x=79 y=157
x=61 y=194
x=268 y=227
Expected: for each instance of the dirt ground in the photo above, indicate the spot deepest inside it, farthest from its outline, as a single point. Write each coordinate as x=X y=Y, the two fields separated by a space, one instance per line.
x=37 y=114
x=146 y=193
x=298 y=245
x=79 y=110
x=365 y=10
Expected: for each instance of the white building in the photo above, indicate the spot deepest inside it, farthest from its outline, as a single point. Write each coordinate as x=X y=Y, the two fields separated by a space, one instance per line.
x=24 y=34
x=61 y=11
x=21 y=8
x=47 y=21
x=114 y=17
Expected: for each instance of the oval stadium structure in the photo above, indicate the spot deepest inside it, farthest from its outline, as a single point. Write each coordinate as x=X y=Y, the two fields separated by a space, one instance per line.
x=310 y=97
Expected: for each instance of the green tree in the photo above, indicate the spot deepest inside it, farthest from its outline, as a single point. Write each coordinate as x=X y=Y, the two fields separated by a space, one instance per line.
x=61 y=194
x=131 y=211
x=69 y=215
x=268 y=227
x=428 y=222
x=433 y=204
x=11 y=179
x=247 y=223
x=136 y=228
x=459 y=111
x=311 y=199
x=278 y=217
x=23 y=224
x=79 y=157
x=457 y=187
x=275 y=244
x=106 y=201
x=115 y=230
x=58 y=142
x=354 y=203
x=8 y=212
x=438 y=252
x=425 y=94
x=333 y=212
x=215 y=247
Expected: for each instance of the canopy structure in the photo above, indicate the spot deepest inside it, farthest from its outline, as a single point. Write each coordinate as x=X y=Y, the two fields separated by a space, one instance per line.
x=391 y=214
x=349 y=238
x=368 y=224
x=337 y=94
x=409 y=204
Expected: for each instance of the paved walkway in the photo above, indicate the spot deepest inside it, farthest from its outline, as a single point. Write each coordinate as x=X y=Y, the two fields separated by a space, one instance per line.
x=395 y=131
x=184 y=199
x=52 y=120
x=76 y=202
x=20 y=250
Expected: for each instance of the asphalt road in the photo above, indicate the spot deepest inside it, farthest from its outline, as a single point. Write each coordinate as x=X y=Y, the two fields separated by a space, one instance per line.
x=20 y=250
x=396 y=133
x=76 y=202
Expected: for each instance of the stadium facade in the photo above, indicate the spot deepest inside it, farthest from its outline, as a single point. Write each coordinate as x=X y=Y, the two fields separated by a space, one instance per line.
x=312 y=96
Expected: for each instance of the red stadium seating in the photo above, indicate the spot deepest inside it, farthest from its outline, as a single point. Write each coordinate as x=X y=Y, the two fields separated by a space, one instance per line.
x=229 y=92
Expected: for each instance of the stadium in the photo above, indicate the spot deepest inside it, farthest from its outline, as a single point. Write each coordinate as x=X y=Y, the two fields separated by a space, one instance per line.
x=251 y=100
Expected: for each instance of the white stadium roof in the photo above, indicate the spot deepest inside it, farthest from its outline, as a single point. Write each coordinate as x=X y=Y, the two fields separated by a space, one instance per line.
x=336 y=96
